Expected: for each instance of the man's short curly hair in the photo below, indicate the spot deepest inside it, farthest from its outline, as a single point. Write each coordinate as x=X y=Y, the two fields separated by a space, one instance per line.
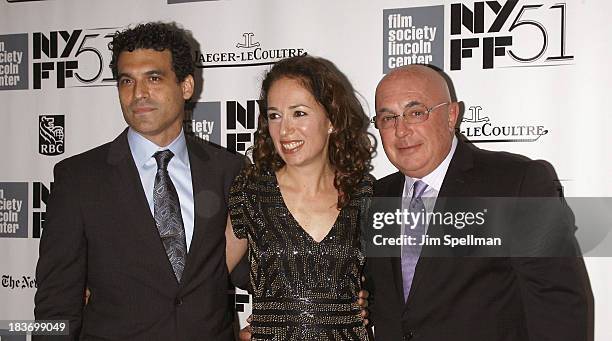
x=156 y=36
x=350 y=148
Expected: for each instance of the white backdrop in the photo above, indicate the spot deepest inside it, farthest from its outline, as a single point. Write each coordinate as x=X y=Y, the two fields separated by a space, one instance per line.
x=549 y=101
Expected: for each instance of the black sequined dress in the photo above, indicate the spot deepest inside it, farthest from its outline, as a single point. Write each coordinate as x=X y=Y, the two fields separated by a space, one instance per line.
x=302 y=290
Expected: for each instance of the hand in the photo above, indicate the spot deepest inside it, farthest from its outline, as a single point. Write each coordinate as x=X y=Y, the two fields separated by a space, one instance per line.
x=245 y=333
x=363 y=304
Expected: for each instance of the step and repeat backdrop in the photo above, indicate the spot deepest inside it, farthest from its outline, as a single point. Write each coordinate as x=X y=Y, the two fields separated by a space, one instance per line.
x=534 y=77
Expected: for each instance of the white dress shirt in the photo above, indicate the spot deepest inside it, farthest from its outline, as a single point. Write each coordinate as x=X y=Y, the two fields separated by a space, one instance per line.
x=179 y=169
x=433 y=180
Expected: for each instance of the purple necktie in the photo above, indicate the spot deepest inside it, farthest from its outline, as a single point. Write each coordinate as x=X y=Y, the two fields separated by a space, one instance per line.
x=415 y=229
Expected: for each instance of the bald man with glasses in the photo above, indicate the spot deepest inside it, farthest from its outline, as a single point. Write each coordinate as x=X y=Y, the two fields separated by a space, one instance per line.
x=463 y=298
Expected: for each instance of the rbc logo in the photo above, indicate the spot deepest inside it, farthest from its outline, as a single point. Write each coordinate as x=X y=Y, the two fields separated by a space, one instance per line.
x=51 y=134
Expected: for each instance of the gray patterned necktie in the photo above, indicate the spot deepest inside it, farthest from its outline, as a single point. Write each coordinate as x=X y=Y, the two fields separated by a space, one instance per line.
x=411 y=253
x=167 y=213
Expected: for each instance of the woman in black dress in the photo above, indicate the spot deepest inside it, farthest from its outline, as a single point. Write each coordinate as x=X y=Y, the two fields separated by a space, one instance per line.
x=299 y=205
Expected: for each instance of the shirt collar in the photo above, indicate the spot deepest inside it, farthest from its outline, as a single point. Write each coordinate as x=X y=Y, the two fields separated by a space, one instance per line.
x=436 y=177
x=143 y=149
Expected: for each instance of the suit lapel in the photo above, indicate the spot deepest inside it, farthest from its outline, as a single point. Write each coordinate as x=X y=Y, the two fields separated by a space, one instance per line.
x=394 y=189
x=453 y=185
x=126 y=183
x=200 y=165
x=457 y=176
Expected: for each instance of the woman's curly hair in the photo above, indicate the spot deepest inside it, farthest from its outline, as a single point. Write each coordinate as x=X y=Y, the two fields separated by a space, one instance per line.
x=156 y=36
x=350 y=148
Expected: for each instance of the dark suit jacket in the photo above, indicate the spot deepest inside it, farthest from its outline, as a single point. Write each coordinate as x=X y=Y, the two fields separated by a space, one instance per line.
x=99 y=233
x=481 y=299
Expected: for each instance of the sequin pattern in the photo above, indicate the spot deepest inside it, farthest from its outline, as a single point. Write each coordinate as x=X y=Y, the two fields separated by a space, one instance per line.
x=302 y=290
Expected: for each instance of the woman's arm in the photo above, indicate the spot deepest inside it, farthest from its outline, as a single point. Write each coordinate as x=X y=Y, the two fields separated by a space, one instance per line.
x=234 y=248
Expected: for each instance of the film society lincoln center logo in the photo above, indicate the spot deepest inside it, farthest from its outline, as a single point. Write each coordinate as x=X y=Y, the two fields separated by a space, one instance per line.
x=13 y=209
x=413 y=36
x=14 y=61
x=59 y=58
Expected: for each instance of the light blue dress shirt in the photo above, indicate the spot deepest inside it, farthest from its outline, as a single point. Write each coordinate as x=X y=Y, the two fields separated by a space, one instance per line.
x=178 y=168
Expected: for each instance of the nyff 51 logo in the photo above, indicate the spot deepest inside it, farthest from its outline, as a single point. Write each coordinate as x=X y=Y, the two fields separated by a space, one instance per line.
x=72 y=58
x=240 y=123
x=510 y=34
x=40 y=198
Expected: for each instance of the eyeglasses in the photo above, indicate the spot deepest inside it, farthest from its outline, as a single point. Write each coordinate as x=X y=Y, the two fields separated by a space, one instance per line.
x=417 y=113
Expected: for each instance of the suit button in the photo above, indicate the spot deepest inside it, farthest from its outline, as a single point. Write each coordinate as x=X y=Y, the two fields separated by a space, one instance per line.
x=409 y=335
x=178 y=301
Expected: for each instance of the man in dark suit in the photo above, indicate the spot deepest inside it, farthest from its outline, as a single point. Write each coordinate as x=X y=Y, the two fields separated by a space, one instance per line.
x=463 y=298
x=140 y=221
